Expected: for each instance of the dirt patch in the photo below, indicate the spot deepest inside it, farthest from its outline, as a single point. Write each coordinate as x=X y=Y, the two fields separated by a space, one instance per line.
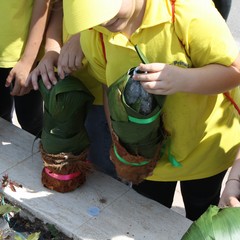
x=27 y=227
x=24 y=224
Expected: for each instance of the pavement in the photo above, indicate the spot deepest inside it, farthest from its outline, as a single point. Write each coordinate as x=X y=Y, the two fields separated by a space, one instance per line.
x=233 y=20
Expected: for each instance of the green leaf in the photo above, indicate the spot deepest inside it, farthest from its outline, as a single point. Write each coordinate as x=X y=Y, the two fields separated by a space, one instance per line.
x=141 y=55
x=18 y=237
x=34 y=236
x=52 y=229
x=65 y=111
x=216 y=223
x=7 y=208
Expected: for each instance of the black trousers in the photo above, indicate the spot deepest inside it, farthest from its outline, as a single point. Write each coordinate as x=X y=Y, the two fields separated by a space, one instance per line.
x=29 y=108
x=223 y=7
x=197 y=195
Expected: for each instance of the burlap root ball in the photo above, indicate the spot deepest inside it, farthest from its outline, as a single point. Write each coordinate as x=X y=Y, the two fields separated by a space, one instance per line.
x=64 y=164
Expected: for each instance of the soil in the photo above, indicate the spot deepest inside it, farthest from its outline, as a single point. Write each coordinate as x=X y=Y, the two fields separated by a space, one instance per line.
x=21 y=223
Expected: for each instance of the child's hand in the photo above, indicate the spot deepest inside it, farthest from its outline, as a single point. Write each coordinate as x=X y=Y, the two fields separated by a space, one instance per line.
x=159 y=78
x=71 y=56
x=45 y=69
x=18 y=76
x=231 y=194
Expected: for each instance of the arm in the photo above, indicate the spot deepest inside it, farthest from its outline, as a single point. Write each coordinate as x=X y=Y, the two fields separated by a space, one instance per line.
x=28 y=58
x=53 y=44
x=231 y=192
x=167 y=79
x=66 y=58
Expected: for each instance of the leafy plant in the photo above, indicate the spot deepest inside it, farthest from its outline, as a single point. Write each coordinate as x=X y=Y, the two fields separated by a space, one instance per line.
x=6 y=209
x=52 y=229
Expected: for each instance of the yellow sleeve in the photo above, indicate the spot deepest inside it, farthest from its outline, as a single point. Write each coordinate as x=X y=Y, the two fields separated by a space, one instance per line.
x=204 y=33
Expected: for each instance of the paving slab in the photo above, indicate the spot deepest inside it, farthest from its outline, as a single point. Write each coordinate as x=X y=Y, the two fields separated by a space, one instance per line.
x=121 y=212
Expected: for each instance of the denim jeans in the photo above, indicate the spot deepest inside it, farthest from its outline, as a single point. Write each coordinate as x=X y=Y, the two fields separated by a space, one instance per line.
x=100 y=138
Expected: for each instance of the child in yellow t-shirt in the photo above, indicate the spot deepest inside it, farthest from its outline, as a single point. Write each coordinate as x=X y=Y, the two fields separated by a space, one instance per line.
x=193 y=59
x=21 y=32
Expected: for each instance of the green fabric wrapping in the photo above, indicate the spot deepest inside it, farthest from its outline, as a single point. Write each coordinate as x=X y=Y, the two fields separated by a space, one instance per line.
x=138 y=138
x=65 y=109
x=216 y=224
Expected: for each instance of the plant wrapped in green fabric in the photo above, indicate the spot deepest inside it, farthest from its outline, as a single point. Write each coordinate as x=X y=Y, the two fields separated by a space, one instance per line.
x=216 y=224
x=137 y=129
x=64 y=139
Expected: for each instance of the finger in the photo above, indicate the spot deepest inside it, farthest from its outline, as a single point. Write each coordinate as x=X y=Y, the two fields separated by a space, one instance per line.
x=63 y=60
x=24 y=90
x=68 y=65
x=9 y=79
x=154 y=86
x=222 y=204
x=33 y=78
x=16 y=89
x=48 y=76
x=52 y=76
x=234 y=202
x=147 y=76
x=61 y=73
x=28 y=81
x=67 y=70
x=151 y=85
x=71 y=63
x=151 y=67
x=46 y=80
x=78 y=62
x=63 y=68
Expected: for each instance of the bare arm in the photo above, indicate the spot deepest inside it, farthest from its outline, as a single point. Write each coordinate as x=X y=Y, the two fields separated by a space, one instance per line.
x=231 y=192
x=53 y=44
x=36 y=31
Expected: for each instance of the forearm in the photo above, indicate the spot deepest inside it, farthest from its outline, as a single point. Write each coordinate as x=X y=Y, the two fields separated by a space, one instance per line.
x=210 y=79
x=54 y=30
x=36 y=30
x=235 y=170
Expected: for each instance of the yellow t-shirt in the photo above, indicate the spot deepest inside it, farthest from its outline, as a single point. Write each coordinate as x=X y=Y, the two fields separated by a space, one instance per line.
x=204 y=129
x=14 y=26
